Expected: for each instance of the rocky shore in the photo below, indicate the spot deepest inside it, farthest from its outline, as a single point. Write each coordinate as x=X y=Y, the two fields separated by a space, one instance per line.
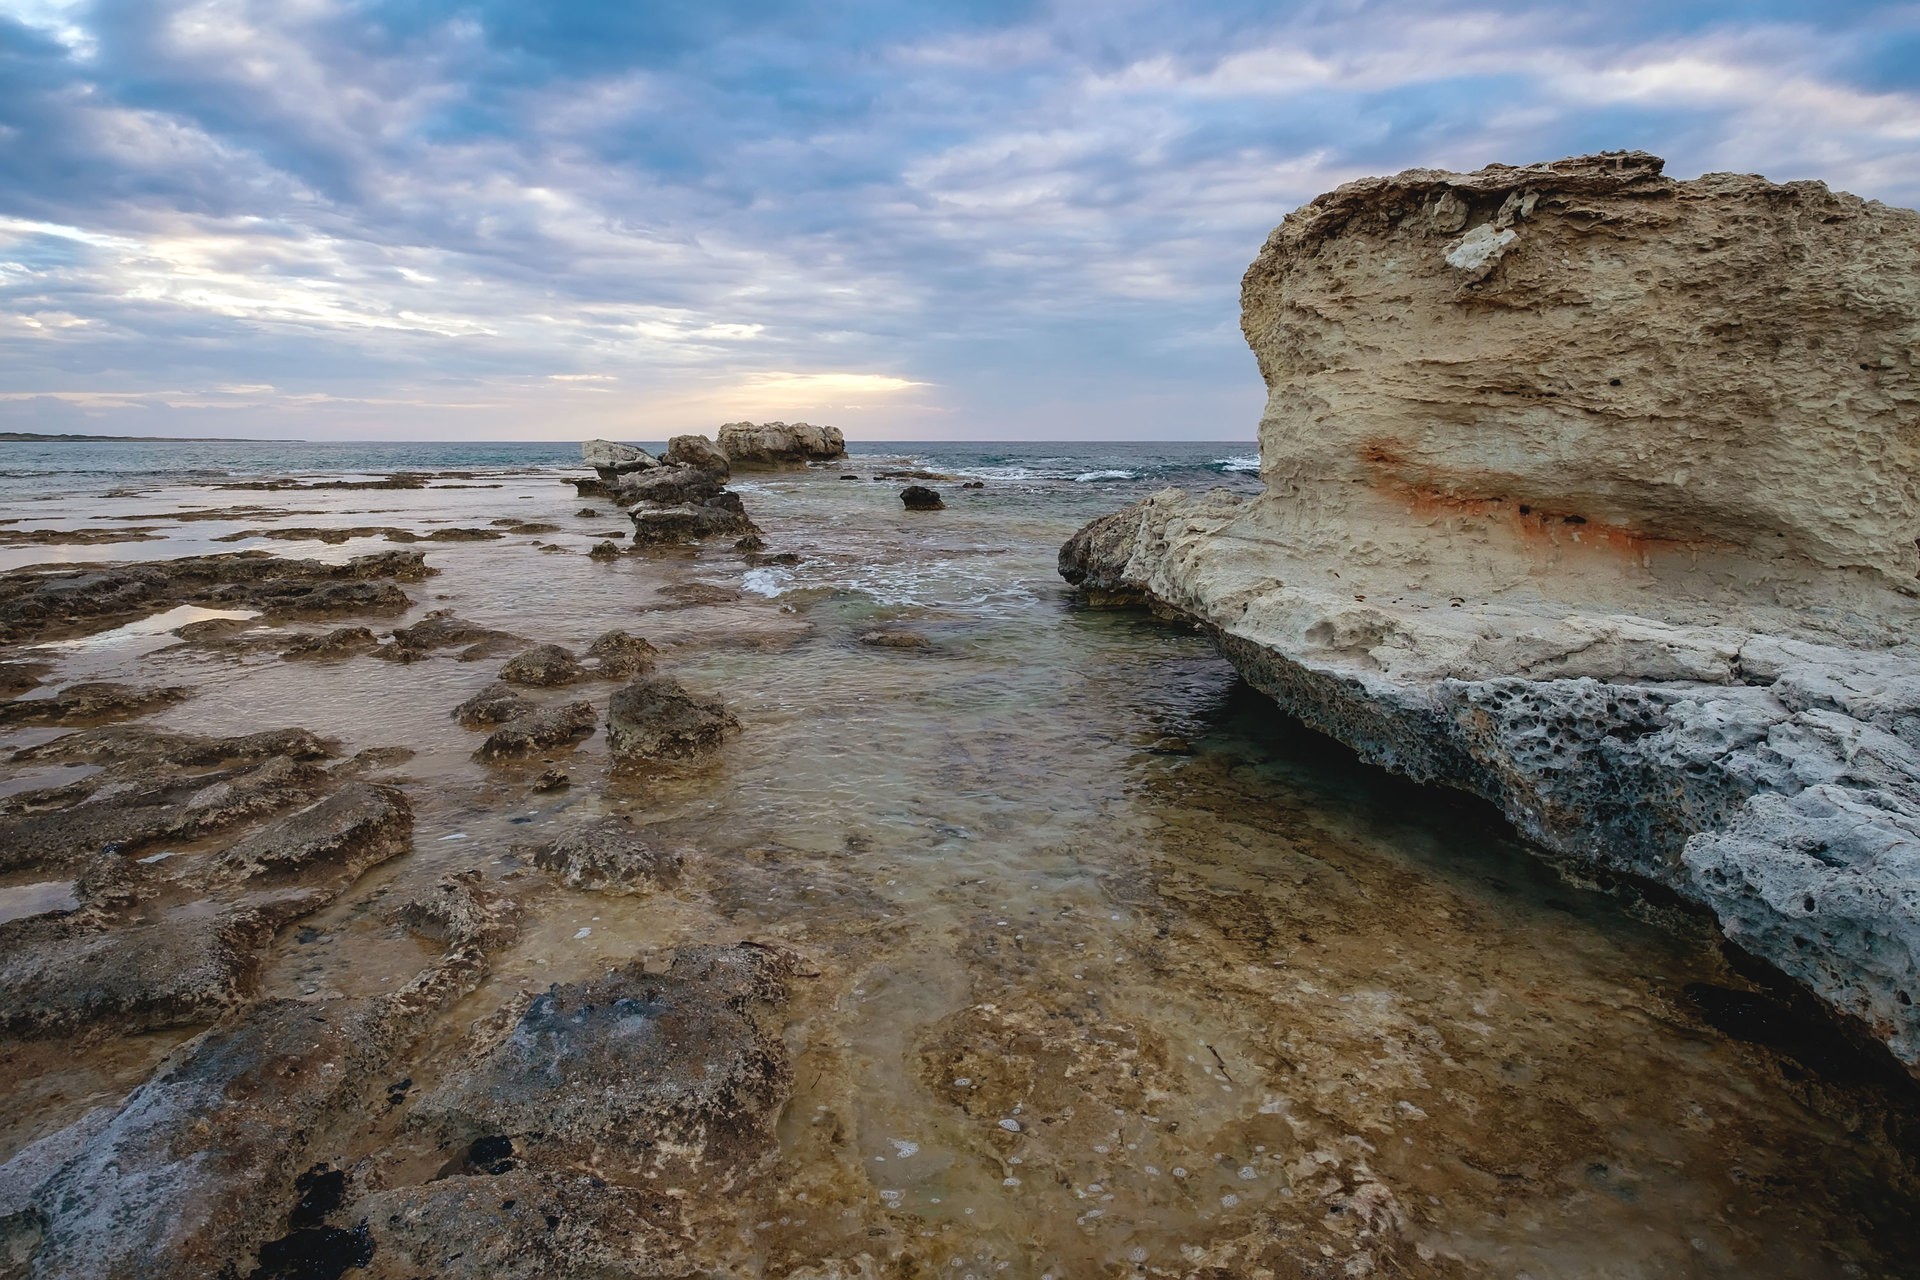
x=1593 y=493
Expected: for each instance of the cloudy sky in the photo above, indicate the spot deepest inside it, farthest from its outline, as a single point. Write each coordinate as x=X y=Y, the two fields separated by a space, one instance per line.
x=524 y=219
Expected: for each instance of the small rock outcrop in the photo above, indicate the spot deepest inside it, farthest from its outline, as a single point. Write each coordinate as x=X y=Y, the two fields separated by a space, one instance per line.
x=780 y=444
x=1596 y=493
x=917 y=497
x=654 y=718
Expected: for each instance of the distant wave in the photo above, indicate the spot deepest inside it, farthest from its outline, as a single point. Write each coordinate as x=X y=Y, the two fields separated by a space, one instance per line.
x=1250 y=462
x=1088 y=477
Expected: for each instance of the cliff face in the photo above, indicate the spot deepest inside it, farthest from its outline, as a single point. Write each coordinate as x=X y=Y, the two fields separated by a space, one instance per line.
x=1594 y=493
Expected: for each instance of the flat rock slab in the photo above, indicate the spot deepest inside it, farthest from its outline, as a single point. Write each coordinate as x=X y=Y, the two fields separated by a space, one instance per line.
x=610 y=857
x=677 y=1077
x=654 y=718
x=355 y=828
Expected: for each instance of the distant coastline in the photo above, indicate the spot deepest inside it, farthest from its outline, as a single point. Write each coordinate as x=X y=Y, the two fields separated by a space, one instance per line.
x=41 y=437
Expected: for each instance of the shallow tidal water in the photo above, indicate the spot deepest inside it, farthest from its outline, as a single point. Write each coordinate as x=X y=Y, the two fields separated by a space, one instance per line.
x=1108 y=970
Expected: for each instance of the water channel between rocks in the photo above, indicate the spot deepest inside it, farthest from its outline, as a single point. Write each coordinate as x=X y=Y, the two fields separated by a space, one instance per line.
x=1105 y=970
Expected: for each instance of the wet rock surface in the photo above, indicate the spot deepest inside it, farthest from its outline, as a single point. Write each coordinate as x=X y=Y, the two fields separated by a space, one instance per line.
x=917 y=497
x=654 y=718
x=441 y=630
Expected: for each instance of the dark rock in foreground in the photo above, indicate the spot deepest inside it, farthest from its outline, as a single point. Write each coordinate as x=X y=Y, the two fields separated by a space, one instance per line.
x=674 y=1078
x=917 y=497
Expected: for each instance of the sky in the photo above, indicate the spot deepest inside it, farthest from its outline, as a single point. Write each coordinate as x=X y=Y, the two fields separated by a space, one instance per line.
x=971 y=219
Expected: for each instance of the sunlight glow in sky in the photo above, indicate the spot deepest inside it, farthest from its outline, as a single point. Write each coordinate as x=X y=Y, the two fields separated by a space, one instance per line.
x=990 y=219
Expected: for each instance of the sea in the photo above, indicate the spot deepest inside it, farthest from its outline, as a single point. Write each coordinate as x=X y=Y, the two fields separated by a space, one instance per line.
x=1108 y=968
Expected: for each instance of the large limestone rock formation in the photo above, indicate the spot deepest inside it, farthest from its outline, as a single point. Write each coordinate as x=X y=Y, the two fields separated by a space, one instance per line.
x=780 y=444
x=1594 y=492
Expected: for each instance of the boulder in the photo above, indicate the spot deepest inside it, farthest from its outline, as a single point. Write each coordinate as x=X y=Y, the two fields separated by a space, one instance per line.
x=699 y=453
x=613 y=460
x=543 y=666
x=780 y=444
x=609 y=856
x=655 y=719
x=917 y=497
x=1595 y=493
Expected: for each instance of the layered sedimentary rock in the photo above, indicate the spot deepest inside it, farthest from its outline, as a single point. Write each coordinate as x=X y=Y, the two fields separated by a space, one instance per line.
x=1593 y=492
x=780 y=444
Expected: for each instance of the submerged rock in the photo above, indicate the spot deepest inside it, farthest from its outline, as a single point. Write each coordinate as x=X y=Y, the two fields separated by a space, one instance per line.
x=917 y=497
x=609 y=856
x=1513 y=543
x=654 y=718
x=776 y=444
x=544 y=666
x=672 y=1078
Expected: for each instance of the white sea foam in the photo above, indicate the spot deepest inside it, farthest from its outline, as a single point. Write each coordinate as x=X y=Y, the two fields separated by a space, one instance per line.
x=766 y=582
x=1250 y=462
x=1088 y=477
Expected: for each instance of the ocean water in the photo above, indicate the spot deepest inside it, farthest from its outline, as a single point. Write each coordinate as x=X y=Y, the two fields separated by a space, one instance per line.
x=29 y=466
x=1111 y=970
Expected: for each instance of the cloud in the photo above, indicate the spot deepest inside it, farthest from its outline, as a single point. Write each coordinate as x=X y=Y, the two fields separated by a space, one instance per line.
x=487 y=217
